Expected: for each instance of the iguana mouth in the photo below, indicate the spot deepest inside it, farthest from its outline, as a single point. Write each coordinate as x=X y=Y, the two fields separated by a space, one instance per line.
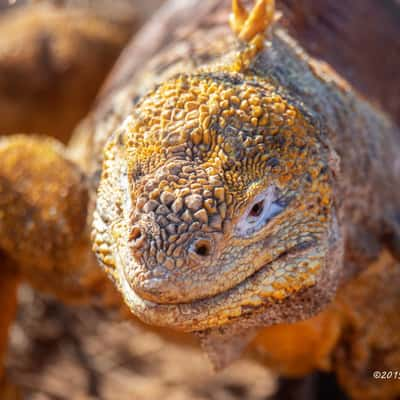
x=209 y=297
x=215 y=310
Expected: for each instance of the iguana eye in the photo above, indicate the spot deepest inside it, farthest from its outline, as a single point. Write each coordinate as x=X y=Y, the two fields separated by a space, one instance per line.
x=259 y=212
x=257 y=209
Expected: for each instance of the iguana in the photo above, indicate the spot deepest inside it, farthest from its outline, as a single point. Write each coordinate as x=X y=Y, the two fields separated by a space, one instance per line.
x=234 y=188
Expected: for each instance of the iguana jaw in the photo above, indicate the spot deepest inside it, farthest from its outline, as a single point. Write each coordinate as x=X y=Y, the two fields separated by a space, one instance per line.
x=258 y=297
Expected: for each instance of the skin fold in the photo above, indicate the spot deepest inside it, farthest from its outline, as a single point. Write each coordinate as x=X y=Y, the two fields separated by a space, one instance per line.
x=231 y=187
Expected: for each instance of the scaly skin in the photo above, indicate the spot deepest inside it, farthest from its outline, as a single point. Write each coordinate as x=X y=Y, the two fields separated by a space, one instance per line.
x=234 y=183
x=192 y=181
x=197 y=151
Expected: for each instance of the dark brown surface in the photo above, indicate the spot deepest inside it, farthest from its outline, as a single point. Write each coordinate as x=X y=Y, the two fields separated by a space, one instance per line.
x=358 y=38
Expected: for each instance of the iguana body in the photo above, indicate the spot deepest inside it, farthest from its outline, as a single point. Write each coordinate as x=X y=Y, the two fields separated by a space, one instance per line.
x=234 y=184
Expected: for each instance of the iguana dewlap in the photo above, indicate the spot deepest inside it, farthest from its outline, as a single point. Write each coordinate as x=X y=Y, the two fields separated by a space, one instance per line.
x=234 y=184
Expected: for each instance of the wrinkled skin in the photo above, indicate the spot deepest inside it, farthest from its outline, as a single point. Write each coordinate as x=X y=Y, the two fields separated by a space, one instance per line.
x=227 y=196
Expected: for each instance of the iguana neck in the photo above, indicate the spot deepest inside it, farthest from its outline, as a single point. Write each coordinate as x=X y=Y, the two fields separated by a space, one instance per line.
x=366 y=141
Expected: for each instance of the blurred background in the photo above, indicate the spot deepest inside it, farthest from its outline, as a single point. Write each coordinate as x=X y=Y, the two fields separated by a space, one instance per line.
x=54 y=57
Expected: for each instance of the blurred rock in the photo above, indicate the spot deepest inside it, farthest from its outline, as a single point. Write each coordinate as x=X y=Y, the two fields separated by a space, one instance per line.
x=53 y=61
x=59 y=352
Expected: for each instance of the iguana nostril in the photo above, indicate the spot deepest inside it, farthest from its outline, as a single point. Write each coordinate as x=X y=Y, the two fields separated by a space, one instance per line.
x=202 y=247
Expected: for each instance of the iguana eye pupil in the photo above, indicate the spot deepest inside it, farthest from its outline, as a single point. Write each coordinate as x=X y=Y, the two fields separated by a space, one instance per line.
x=257 y=209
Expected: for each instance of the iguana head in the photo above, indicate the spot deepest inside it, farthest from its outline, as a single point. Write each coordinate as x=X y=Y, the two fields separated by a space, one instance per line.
x=215 y=205
x=216 y=202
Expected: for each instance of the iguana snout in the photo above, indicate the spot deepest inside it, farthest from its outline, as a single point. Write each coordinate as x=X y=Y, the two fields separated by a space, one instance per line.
x=175 y=234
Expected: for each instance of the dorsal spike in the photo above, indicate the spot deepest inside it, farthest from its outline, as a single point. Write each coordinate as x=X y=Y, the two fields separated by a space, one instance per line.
x=248 y=25
x=238 y=16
